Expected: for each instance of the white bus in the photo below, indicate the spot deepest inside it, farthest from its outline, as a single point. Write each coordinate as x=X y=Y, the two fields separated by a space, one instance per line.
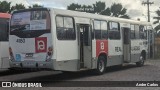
x=72 y=41
x=4 y=53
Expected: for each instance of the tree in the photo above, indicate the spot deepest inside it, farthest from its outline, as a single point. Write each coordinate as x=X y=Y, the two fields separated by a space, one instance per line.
x=5 y=6
x=35 y=6
x=116 y=10
x=157 y=20
x=73 y=6
x=17 y=7
x=99 y=7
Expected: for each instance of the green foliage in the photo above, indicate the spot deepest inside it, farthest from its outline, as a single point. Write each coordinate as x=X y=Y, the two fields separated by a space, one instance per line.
x=74 y=6
x=17 y=7
x=5 y=6
x=106 y=12
x=157 y=20
x=116 y=10
x=35 y=6
x=99 y=7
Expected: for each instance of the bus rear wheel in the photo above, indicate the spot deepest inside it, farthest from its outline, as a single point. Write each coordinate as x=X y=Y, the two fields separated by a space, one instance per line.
x=101 y=65
x=141 y=62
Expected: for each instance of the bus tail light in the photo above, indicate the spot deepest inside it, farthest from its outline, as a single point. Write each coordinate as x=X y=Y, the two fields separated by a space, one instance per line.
x=11 y=53
x=49 y=53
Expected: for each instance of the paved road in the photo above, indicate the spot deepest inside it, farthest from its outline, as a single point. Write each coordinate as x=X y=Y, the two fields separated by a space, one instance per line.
x=149 y=72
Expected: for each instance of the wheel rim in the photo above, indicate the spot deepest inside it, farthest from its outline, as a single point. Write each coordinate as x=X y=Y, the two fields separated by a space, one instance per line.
x=101 y=66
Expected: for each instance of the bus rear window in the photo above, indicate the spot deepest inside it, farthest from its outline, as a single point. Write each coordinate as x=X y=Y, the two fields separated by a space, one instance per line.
x=30 y=20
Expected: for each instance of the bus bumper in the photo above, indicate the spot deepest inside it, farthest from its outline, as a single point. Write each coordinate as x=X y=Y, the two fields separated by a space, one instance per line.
x=32 y=64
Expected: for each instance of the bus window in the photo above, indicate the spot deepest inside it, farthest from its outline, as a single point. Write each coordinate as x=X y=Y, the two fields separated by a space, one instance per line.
x=132 y=31
x=104 y=30
x=37 y=22
x=114 y=30
x=97 y=29
x=136 y=31
x=65 y=28
x=142 y=32
x=126 y=36
x=92 y=28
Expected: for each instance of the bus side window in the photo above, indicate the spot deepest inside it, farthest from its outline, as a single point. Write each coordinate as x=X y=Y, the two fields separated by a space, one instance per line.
x=86 y=36
x=136 y=31
x=114 y=30
x=97 y=29
x=142 y=32
x=100 y=28
x=127 y=36
x=65 y=28
x=104 y=30
x=69 y=28
x=92 y=28
x=60 y=28
x=133 y=32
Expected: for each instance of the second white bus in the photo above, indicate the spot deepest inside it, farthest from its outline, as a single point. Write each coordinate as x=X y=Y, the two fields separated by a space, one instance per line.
x=72 y=41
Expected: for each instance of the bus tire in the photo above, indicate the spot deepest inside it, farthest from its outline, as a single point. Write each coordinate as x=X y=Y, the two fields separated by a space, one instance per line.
x=141 y=62
x=101 y=65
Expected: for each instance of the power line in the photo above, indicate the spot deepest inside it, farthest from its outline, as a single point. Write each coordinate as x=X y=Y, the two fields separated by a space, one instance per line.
x=148 y=4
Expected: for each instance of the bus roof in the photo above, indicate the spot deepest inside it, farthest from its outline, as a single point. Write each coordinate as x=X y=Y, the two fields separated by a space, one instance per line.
x=97 y=16
x=91 y=15
x=5 y=15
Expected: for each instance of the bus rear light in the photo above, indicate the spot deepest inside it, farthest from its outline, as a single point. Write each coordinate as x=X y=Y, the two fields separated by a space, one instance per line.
x=10 y=51
x=11 y=54
x=50 y=49
x=49 y=53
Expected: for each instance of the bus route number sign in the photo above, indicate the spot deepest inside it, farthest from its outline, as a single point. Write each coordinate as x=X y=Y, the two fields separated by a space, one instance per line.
x=22 y=40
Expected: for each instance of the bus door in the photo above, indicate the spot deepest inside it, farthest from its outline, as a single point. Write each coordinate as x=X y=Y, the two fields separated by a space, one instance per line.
x=126 y=45
x=85 y=45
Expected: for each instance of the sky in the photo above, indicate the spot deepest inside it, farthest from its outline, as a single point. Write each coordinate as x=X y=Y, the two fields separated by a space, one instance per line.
x=135 y=9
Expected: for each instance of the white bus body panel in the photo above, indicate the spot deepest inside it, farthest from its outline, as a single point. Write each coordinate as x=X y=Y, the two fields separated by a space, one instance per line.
x=4 y=55
x=28 y=47
x=67 y=50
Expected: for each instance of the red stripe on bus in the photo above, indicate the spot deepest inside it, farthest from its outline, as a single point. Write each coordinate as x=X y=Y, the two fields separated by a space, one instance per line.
x=5 y=15
x=101 y=47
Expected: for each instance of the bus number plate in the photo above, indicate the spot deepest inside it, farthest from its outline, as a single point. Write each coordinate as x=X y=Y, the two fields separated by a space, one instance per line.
x=20 y=40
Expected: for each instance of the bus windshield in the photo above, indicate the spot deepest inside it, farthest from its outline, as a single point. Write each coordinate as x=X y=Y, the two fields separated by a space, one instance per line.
x=35 y=21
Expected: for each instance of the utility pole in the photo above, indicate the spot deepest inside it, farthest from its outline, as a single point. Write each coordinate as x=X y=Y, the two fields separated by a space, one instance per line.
x=148 y=4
